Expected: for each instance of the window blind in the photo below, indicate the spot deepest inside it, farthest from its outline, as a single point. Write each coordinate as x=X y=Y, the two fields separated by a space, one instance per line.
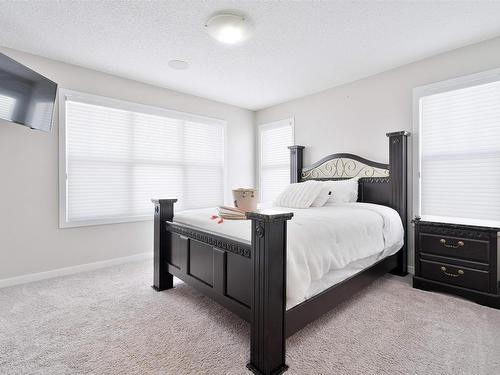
x=117 y=160
x=7 y=106
x=274 y=170
x=460 y=155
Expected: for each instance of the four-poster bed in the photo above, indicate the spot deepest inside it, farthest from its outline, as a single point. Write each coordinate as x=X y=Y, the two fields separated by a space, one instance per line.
x=249 y=277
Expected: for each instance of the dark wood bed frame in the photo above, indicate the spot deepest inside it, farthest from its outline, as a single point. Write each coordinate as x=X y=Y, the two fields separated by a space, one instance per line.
x=250 y=278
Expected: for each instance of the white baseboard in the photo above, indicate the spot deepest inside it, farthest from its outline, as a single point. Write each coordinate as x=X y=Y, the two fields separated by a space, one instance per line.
x=23 y=279
x=411 y=270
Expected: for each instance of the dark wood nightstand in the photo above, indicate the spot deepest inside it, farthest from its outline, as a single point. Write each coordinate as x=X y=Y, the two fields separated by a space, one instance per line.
x=457 y=259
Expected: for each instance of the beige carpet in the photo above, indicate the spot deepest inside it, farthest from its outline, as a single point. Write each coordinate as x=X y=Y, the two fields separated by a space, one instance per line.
x=111 y=322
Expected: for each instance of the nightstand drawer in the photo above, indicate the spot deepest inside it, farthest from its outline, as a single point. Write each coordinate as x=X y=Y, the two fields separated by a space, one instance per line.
x=455 y=275
x=455 y=247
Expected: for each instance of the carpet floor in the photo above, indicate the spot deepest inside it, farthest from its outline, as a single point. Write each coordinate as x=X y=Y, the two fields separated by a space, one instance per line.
x=111 y=322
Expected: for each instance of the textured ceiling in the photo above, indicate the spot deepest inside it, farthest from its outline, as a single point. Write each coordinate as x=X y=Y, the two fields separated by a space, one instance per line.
x=297 y=48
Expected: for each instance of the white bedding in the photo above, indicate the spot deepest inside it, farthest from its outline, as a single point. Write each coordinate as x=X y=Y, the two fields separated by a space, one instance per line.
x=322 y=242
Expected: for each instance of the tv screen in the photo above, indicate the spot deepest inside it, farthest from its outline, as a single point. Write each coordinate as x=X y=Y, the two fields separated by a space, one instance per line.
x=26 y=97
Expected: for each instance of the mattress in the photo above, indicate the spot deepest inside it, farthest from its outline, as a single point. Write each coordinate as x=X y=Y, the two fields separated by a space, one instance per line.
x=325 y=245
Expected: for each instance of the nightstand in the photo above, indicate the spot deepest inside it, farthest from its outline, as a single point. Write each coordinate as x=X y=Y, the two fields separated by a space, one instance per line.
x=457 y=259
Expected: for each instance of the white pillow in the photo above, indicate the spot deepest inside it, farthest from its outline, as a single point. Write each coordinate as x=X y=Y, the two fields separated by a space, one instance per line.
x=323 y=196
x=300 y=195
x=343 y=191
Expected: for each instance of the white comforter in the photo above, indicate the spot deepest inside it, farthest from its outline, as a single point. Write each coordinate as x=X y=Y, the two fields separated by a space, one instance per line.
x=320 y=239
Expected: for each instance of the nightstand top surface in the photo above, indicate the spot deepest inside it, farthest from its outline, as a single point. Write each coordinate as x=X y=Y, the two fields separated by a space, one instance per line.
x=471 y=225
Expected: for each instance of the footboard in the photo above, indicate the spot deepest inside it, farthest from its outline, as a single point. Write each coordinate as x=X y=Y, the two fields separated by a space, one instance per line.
x=219 y=267
x=247 y=278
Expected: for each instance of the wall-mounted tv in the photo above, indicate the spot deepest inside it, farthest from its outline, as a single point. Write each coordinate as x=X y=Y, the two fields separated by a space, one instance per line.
x=26 y=97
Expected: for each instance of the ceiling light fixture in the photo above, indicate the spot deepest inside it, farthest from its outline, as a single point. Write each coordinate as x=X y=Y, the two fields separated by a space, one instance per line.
x=229 y=27
x=178 y=64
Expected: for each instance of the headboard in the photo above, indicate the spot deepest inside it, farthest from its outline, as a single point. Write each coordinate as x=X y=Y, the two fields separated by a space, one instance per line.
x=379 y=183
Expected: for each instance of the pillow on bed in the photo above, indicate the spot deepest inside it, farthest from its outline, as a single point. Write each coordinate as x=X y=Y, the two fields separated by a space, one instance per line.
x=323 y=196
x=343 y=191
x=300 y=195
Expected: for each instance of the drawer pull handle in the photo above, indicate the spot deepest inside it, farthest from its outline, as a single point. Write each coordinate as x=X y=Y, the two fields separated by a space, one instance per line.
x=459 y=244
x=459 y=272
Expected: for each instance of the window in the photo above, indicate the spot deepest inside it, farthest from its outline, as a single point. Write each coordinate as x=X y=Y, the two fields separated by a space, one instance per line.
x=458 y=157
x=274 y=158
x=116 y=156
x=7 y=106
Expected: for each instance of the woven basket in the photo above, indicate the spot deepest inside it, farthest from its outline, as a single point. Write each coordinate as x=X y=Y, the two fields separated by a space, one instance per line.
x=245 y=199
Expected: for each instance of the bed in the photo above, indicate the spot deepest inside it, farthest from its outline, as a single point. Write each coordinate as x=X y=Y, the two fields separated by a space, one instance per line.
x=283 y=268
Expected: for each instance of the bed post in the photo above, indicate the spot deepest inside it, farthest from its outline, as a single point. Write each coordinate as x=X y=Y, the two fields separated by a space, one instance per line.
x=164 y=211
x=267 y=348
x=296 y=153
x=398 y=172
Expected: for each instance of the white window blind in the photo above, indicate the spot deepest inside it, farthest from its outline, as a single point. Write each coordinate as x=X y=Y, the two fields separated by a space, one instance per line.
x=460 y=155
x=117 y=159
x=7 y=106
x=274 y=168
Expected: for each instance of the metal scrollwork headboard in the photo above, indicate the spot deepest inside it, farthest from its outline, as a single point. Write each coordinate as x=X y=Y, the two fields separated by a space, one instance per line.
x=345 y=166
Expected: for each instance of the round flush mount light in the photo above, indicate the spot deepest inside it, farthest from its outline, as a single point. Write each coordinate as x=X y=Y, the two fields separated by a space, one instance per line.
x=178 y=64
x=229 y=27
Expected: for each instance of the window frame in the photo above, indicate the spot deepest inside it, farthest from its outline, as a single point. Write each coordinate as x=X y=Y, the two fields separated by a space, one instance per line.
x=268 y=126
x=65 y=94
x=470 y=80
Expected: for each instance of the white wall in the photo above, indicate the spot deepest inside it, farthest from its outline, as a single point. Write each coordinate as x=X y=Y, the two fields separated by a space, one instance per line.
x=355 y=117
x=352 y=118
x=30 y=240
